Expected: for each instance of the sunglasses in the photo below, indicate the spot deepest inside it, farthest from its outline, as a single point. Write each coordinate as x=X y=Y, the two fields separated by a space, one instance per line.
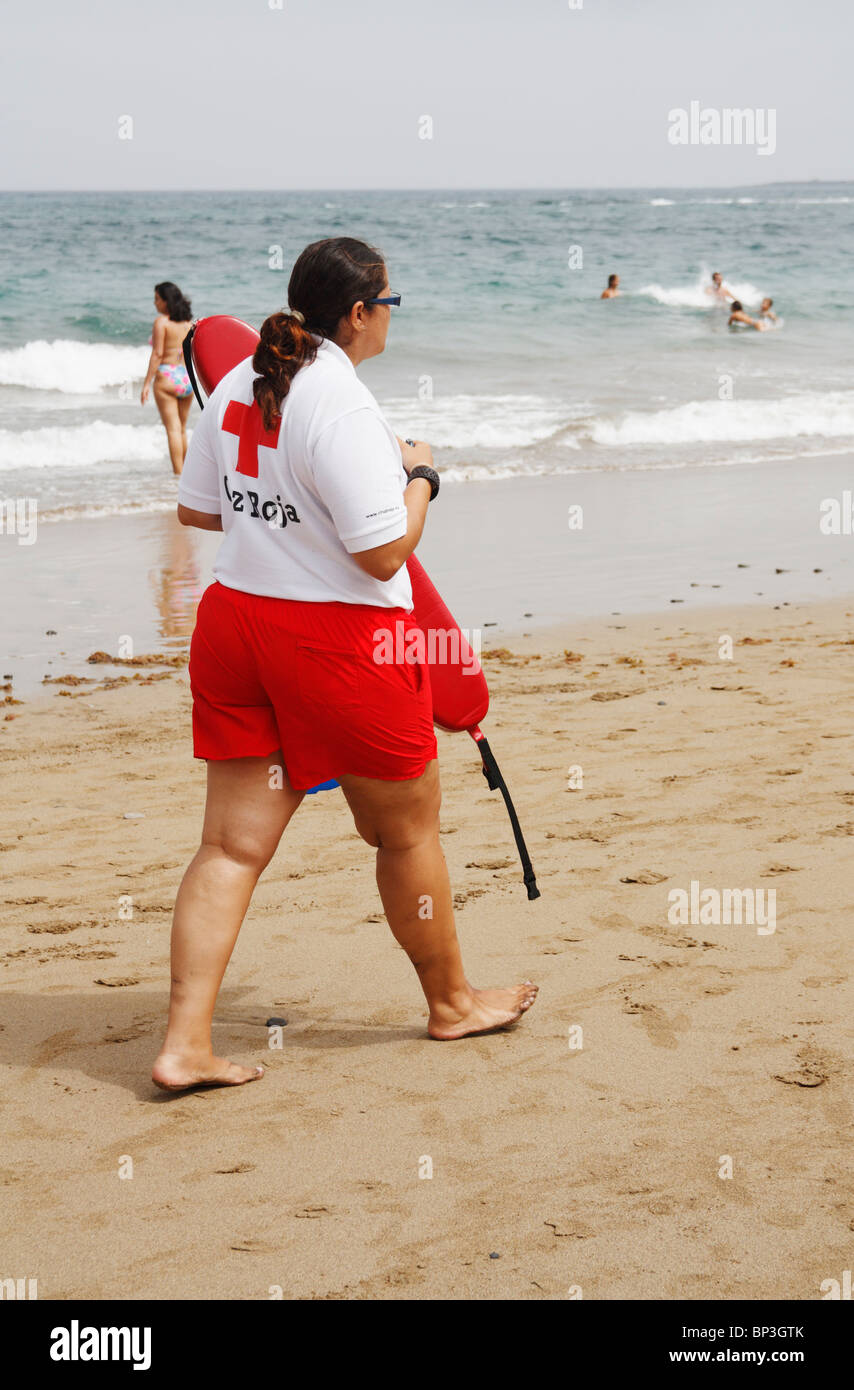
x=389 y=299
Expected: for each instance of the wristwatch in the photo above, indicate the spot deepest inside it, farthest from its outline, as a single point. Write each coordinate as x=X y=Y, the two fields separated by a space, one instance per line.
x=423 y=470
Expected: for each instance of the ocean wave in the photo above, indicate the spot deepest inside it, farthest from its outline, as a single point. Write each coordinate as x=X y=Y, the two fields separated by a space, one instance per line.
x=92 y=511
x=695 y=297
x=828 y=414
x=661 y=203
x=73 y=367
x=79 y=446
x=479 y=422
x=788 y=202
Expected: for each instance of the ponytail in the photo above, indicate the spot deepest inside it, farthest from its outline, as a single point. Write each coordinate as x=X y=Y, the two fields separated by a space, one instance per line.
x=328 y=278
x=285 y=346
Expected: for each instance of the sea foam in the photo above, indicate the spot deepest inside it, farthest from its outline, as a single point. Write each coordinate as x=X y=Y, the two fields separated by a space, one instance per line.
x=695 y=297
x=77 y=368
x=829 y=414
x=80 y=446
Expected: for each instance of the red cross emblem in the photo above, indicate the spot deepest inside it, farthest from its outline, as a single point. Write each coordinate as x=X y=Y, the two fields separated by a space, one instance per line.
x=247 y=423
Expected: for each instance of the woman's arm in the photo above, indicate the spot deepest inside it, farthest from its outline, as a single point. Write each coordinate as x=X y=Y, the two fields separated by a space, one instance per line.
x=384 y=561
x=158 y=342
x=205 y=521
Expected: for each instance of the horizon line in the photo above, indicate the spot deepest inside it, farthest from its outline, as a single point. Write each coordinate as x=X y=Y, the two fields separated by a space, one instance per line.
x=443 y=188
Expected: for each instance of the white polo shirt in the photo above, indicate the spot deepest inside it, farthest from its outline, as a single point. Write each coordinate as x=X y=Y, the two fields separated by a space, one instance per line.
x=298 y=503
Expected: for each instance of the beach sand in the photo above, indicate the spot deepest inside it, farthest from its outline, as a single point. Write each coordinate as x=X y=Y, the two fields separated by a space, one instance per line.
x=554 y=1168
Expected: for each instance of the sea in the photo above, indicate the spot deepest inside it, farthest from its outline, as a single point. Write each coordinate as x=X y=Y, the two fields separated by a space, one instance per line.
x=502 y=353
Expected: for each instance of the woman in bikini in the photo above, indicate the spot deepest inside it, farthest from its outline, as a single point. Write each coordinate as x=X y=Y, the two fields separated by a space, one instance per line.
x=173 y=394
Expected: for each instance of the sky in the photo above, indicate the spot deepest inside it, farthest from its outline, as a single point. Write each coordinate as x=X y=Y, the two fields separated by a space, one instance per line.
x=332 y=94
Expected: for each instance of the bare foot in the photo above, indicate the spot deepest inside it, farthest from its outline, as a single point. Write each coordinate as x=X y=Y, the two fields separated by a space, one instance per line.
x=176 y=1072
x=490 y=1010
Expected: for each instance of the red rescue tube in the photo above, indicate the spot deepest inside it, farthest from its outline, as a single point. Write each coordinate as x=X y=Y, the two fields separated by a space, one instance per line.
x=460 y=692
x=217 y=344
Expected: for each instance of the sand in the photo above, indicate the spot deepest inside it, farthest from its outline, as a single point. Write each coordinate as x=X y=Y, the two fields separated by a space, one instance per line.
x=554 y=1168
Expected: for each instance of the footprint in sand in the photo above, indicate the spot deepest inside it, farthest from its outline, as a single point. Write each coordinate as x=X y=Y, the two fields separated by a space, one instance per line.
x=460 y=899
x=254 y=1245
x=615 y=921
x=59 y=928
x=57 y=1045
x=660 y=1028
x=569 y=1227
x=814 y=1068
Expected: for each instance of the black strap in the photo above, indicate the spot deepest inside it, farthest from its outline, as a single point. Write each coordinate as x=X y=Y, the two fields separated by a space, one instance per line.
x=188 y=363
x=492 y=773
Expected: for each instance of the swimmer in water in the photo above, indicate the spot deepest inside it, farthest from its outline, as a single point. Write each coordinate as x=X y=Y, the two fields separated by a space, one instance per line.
x=765 y=311
x=613 y=288
x=719 y=289
x=738 y=316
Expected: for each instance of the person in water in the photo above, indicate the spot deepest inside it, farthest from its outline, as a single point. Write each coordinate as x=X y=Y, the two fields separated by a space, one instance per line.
x=739 y=317
x=287 y=690
x=765 y=310
x=718 y=288
x=173 y=394
x=612 y=289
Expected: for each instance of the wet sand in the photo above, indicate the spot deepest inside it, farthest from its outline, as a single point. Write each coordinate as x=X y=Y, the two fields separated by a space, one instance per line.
x=502 y=554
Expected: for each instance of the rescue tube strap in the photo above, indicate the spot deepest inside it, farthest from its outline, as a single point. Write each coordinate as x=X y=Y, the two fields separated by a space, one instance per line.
x=495 y=781
x=188 y=363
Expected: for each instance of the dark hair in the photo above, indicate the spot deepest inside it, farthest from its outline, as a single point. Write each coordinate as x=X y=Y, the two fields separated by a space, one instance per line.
x=716 y=275
x=177 y=307
x=770 y=301
x=612 y=280
x=328 y=278
x=736 y=307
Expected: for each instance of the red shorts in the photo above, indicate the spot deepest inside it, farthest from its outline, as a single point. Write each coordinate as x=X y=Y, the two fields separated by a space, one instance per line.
x=274 y=673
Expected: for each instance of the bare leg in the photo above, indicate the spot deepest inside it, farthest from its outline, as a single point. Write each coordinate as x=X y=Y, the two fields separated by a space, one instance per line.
x=402 y=820
x=244 y=821
x=184 y=405
x=167 y=404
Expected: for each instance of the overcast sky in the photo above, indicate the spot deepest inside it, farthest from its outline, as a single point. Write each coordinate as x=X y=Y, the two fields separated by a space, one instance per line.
x=329 y=93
